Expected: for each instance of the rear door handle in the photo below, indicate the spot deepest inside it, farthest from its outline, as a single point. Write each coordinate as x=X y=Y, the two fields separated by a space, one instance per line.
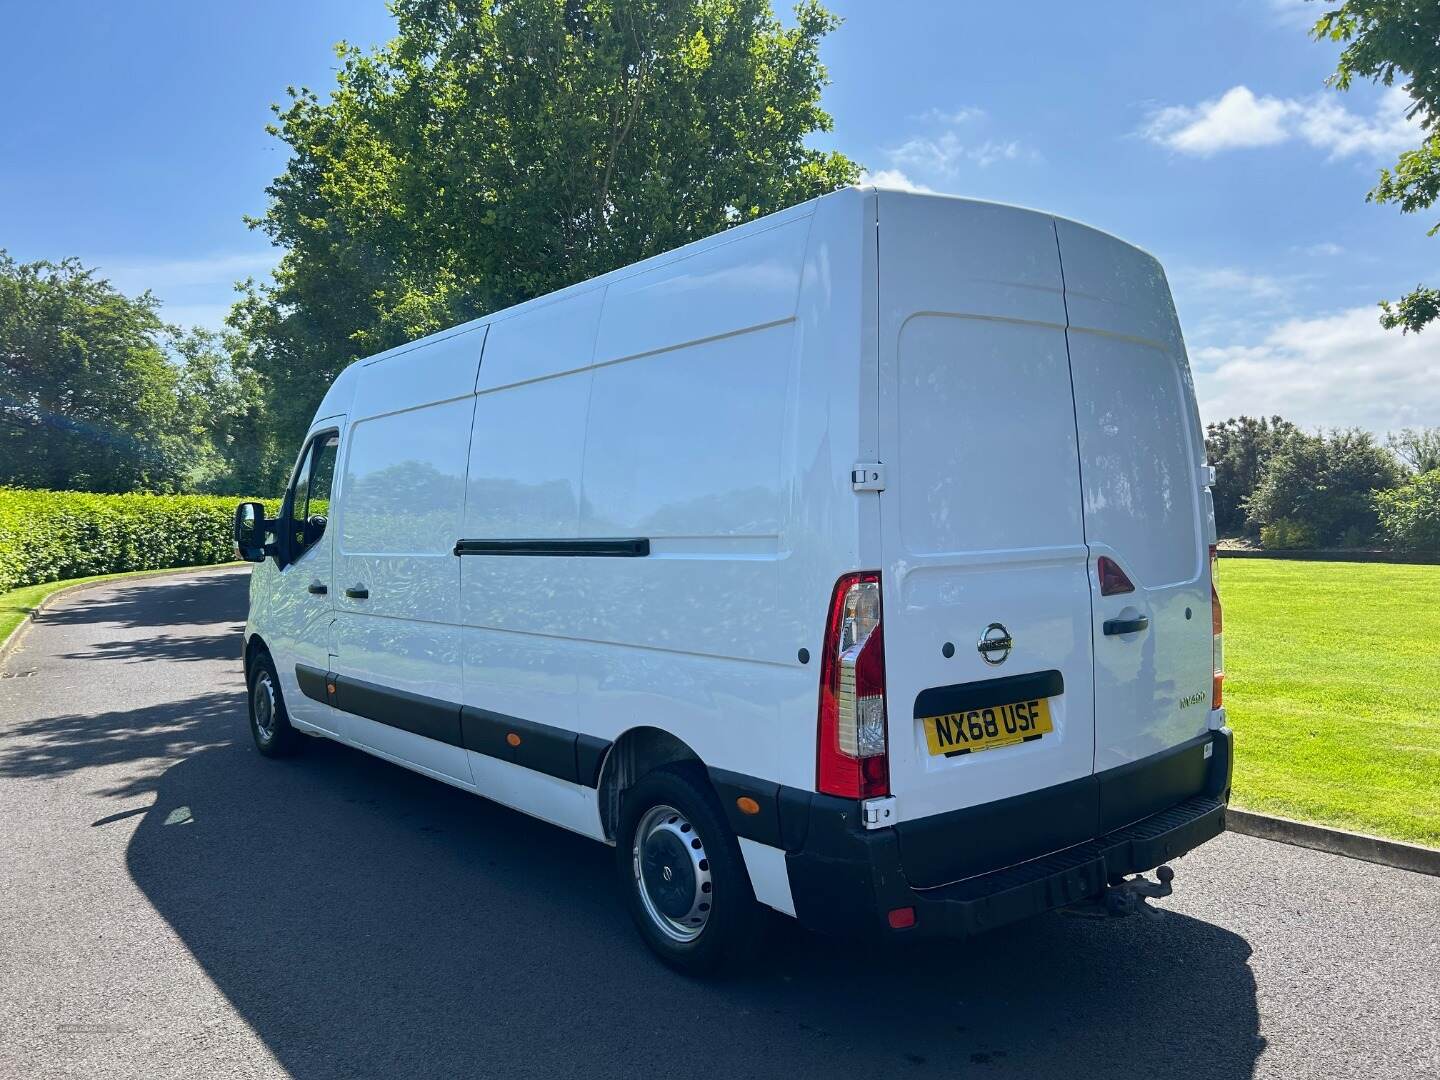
x=319 y=588
x=358 y=592
x=1126 y=626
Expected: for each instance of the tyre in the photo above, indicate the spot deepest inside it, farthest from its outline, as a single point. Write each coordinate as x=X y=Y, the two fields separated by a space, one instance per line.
x=269 y=722
x=683 y=875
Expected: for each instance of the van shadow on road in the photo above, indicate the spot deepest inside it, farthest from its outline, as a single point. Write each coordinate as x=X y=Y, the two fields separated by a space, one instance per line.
x=367 y=921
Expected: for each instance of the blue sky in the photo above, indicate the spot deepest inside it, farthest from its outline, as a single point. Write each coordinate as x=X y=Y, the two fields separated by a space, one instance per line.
x=134 y=138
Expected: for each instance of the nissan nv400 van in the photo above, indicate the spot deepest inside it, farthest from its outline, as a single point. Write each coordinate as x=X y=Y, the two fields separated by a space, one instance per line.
x=855 y=562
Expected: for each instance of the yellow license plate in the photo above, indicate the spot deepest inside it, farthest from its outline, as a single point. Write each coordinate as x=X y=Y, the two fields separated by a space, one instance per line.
x=985 y=729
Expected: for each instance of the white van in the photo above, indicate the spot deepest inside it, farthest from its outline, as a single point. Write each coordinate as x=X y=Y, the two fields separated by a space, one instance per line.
x=855 y=562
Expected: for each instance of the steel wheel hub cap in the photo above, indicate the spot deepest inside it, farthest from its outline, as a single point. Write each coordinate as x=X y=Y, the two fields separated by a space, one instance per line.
x=263 y=702
x=672 y=873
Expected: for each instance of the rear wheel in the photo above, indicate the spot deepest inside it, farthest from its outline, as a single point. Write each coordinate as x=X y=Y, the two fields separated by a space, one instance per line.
x=683 y=875
x=269 y=722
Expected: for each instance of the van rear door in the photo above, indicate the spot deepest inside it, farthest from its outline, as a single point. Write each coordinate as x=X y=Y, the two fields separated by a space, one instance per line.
x=1141 y=452
x=981 y=520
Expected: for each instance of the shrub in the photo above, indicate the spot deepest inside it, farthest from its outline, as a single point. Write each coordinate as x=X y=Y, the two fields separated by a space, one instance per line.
x=1410 y=514
x=1286 y=535
x=53 y=535
x=1326 y=483
x=1356 y=536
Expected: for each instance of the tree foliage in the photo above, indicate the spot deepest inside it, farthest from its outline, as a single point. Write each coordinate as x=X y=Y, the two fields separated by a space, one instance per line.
x=98 y=394
x=1386 y=41
x=499 y=149
x=1325 y=483
x=87 y=399
x=1239 y=448
x=1417 y=448
x=1410 y=514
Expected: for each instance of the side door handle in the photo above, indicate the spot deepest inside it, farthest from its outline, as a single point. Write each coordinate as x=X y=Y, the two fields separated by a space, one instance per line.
x=1126 y=626
x=357 y=592
x=318 y=588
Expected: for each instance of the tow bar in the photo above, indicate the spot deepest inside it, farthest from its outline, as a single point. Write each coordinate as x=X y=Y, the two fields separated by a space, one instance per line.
x=1126 y=897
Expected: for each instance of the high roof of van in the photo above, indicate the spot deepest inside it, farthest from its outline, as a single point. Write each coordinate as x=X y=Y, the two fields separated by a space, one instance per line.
x=340 y=389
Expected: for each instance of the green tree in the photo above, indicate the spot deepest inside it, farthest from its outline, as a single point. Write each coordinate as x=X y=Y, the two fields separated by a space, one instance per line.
x=1417 y=448
x=1239 y=448
x=219 y=395
x=1386 y=40
x=87 y=396
x=1325 y=483
x=499 y=149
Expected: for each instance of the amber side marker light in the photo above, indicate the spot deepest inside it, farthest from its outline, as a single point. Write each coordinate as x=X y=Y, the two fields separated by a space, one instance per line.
x=747 y=805
x=512 y=739
x=901 y=918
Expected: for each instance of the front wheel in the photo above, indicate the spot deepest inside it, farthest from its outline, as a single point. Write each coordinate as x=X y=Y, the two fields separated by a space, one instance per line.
x=684 y=877
x=269 y=722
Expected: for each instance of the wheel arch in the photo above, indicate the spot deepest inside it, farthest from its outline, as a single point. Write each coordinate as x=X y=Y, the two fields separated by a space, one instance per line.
x=254 y=646
x=640 y=750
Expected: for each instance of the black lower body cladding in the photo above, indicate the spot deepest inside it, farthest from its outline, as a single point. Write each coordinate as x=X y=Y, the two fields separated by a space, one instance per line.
x=948 y=847
x=984 y=866
x=557 y=752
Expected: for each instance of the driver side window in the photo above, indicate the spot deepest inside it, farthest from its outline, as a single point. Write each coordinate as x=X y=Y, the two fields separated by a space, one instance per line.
x=310 y=498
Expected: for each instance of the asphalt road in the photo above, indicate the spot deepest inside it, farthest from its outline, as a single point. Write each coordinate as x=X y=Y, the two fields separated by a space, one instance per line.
x=172 y=904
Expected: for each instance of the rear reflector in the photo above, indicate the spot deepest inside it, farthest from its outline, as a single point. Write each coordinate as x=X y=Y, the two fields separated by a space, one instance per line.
x=1113 y=580
x=901 y=918
x=851 y=759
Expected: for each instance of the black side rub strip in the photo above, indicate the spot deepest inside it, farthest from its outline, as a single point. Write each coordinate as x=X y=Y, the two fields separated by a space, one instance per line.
x=609 y=547
x=312 y=681
x=431 y=717
x=554 y=751
x=987 y=693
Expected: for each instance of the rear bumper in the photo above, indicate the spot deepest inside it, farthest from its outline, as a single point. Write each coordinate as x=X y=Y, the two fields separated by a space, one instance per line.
x=845 y=879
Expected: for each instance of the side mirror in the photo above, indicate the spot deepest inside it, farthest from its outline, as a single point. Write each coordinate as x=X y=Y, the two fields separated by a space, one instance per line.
x=250 y=532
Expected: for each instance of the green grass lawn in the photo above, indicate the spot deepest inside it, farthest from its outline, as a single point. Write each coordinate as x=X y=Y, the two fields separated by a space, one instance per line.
x=1333 y=689
x=18 y=603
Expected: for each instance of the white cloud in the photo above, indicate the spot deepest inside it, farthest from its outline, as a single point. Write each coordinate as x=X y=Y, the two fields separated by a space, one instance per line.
x=893 y=179
x=944 y=154
x=1329 y=125
x=954 y=117
x=1238 y=119
x=1335 y=371
x=1230 y=279
x=1324 y=249
x=950 y=142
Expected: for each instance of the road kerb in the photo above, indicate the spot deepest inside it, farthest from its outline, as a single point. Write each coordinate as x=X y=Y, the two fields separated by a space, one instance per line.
x=1402 y=856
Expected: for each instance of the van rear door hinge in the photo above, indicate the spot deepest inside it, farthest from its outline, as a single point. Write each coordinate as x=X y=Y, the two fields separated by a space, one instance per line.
x=868 y=476
x=878 y=813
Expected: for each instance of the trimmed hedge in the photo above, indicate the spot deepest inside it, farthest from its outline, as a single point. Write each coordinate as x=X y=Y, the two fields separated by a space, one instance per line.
x=54 y=535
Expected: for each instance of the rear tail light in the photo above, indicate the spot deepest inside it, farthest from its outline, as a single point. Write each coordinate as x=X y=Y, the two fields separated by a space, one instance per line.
x=1217 y=626
x=851 y=759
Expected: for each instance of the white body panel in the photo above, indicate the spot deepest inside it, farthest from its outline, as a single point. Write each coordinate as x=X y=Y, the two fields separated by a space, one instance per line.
x=714 y=401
